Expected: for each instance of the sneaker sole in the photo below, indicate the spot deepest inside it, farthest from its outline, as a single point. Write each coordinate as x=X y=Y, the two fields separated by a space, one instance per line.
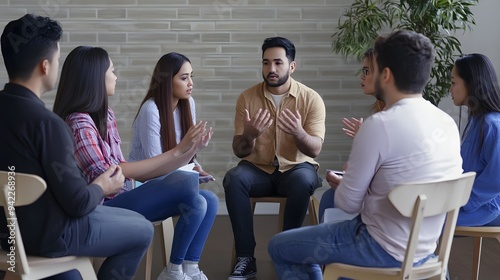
x=246 y=277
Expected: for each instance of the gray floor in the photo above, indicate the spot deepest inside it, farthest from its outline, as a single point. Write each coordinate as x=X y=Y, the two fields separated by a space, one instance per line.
x=217 y=253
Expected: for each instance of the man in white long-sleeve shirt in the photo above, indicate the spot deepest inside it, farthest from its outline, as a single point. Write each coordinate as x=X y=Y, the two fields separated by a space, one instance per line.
x=410 y=141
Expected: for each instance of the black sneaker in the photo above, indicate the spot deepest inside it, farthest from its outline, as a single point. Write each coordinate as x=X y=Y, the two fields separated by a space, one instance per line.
x=245 y=268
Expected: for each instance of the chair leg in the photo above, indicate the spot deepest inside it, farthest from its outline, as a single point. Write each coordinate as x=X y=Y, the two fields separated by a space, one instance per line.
x=476 y=260
x=97 y=263
x=11 y=276
x=252 y=205
x=149 y=260
x=167 y=237
x=281 y=217
x=166 y=233
x=328 y=273
x=86 y=269
x=162 y=242
x=313 y=215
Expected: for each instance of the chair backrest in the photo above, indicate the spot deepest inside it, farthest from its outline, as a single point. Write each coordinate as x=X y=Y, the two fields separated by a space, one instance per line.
x=421 y=200
x=18 y=189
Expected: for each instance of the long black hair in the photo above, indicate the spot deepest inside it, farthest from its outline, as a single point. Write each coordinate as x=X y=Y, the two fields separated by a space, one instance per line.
x=160 y=89
x=82 y=87
x=483 y=92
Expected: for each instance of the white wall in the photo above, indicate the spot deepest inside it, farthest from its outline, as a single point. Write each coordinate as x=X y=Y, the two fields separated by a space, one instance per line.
x=485 y=39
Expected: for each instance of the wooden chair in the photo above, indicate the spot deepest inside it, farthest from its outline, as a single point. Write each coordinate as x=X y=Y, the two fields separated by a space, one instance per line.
x=417 y=201
x=281 y=214
x=478 y=233
x=166 y=231
x=314 y=210
x=19 y=189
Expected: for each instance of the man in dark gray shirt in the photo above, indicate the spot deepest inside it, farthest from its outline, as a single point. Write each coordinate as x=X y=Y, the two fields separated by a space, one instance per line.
x=67 y=219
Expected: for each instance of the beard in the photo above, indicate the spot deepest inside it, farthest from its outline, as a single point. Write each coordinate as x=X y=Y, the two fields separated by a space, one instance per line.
x=281 y=80
x=379 y=92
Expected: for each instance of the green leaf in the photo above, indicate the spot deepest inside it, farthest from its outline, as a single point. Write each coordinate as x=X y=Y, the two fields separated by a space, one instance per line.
x=361 y=23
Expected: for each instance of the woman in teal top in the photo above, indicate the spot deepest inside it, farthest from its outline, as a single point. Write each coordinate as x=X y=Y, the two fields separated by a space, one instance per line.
x=474 y=84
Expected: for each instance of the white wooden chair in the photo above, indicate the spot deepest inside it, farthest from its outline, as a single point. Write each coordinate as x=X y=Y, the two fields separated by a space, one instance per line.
x=18 y=189
x=478 y=233
x=417 y=201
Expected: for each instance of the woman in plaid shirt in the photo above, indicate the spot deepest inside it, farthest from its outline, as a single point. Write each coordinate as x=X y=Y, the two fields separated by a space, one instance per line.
x=87 y=79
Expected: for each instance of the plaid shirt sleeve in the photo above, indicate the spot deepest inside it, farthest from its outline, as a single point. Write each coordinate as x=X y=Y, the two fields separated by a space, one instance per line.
x=94 y=155
x=90 y=150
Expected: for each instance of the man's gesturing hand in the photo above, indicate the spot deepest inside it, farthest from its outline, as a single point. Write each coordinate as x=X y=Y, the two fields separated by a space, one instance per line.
x=291 y=123
x=253 y=127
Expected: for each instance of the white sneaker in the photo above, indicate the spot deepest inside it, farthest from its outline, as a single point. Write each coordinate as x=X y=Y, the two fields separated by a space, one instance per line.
x=173 y=275
x=199 y=276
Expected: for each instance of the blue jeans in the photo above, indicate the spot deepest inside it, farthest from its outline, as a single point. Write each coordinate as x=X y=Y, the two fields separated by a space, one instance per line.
x=176 y=194
x=298 y=253
x=120 y=235
x=246 y=180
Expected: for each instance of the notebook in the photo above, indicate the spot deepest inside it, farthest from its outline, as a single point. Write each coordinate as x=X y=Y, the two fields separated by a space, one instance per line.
x=337 y=215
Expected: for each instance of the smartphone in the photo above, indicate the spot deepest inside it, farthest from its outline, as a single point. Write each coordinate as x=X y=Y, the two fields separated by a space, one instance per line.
x=337 y=172
x=205 y=179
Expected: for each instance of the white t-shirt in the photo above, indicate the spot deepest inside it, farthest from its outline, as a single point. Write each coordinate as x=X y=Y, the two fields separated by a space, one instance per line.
x=146 y=141
x=410 y=141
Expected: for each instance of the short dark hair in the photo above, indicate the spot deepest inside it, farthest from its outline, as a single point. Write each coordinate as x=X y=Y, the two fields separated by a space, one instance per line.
x=26 y=42
x=280 y=42
x=409 y=56
x=480 y=78
x=82 y=86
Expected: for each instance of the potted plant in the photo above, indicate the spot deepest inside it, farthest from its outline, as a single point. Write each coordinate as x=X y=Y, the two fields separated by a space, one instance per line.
x=437 y=19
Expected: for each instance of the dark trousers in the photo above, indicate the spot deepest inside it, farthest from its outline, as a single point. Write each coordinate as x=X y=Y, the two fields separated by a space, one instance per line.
x=246 y=180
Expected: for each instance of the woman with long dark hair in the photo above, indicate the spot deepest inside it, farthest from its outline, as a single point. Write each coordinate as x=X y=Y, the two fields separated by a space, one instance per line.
x=87 y=79
x=167 y=111
x=474 y=84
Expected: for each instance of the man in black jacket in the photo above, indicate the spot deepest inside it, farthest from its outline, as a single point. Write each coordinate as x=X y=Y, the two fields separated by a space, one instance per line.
x=67 y=219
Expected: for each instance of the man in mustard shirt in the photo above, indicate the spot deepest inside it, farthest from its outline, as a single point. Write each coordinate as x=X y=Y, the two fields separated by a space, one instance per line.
x=279 y=130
